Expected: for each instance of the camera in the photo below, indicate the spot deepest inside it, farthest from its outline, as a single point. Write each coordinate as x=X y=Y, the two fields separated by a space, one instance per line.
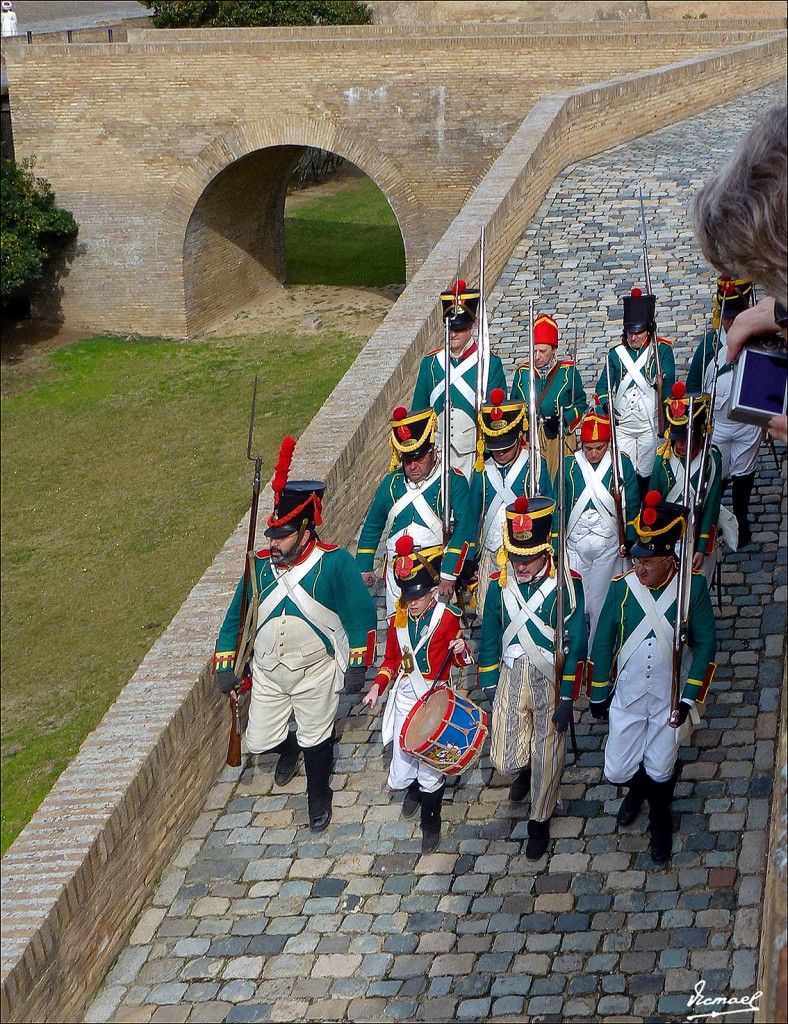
x=760 y=381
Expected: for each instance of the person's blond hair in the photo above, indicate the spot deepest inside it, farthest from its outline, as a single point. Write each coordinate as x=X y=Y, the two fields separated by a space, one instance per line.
x=740 y=216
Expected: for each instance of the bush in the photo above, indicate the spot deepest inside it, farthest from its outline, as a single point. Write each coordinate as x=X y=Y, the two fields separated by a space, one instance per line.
x=247 y=13
x=32 y=228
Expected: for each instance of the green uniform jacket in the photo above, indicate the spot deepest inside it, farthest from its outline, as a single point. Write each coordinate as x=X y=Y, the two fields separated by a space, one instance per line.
x=390 y=490
x=496 y=619
x=663 y=478
x=483 y=492
x=668 y=368
x=334 y=582
x=431 y=374
x=565 y=383
x=575 y=484
x=705 y=355
x=621 y=614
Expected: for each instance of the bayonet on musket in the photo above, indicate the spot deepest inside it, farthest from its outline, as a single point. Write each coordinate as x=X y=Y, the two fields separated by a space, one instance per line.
x=533 y=440
x=446 y=417
x=684 y=582
x=483 y=338
x=615 y=465
x=659 y=376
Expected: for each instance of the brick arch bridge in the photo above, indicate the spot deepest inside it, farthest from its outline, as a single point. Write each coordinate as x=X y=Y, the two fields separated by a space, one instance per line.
x=172 y=149
x=207 y=222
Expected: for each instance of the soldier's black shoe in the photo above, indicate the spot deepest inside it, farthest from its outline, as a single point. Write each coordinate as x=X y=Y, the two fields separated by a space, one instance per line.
x=412 y=800
x=660 y=795
x=431 y=818
x=538 y=839
x=319 y=822
x=521 y=786
x=633 y=801
x=287 y=765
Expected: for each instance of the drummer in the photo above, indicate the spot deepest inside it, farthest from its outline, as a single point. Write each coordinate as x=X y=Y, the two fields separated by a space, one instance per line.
x=423 y=642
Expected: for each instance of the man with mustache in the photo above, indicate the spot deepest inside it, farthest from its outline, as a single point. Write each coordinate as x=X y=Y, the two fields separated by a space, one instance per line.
x=315 y=626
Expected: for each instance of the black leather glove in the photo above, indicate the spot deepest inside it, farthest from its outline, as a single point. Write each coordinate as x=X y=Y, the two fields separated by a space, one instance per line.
x=562 y=715
x=684 y=710
x=600 y=710
x=355 y=678
x=227 y=681
x=551 y=427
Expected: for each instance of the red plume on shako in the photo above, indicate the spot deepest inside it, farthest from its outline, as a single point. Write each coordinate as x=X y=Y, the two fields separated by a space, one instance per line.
x=497 y=398
x=636 y=293
x=522 y=522
x=649 y=515
x=458 y=287
x=403 y=432
x=282 y=468
x=403 y=566
x=678 y=406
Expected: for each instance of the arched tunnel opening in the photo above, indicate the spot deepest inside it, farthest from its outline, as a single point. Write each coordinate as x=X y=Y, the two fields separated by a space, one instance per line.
x=266 y=220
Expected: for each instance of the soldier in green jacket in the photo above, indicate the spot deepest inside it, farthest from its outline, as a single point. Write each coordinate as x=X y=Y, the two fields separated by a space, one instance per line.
x=738 y=442
x=460 y=307
x=529 y=719
x=559 y=391
x=502 y=474
x=594 y=518
x=635 y=383
x=314 y=621
x=409 y=500
x=668 y=473
x=633 y=646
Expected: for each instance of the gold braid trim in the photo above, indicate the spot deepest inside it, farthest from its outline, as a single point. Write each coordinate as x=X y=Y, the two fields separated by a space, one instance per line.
x=411 y=445
x=647 y=533
x=740 y=294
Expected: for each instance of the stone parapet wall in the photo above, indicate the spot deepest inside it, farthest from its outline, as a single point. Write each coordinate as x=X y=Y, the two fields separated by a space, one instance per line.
x=76 y=876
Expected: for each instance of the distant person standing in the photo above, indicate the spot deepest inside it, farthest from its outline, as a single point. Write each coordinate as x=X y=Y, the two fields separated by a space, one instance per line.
x=10 y=25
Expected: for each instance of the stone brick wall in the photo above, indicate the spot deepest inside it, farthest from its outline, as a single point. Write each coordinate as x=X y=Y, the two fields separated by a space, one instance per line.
x=143 y=141
x=79 y=872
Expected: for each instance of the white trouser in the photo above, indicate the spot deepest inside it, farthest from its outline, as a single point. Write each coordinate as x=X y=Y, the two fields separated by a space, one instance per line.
x=738 y=444
x=594 y=555
x=308 y=693
x=639 y=442
x=640 y=732
x=404 y=768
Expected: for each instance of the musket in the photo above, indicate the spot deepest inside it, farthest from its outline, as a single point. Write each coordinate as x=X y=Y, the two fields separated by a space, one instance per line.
x=659 y=376
x=446 y=450
x=703 y=474
x=533 y=441
x=561 y=632
x=483 y=341
x=245 y=621
x=684 y=582
x=539 y=264
x=614 y=462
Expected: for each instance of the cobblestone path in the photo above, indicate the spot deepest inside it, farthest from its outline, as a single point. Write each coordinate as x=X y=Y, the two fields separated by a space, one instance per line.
x=256 y=919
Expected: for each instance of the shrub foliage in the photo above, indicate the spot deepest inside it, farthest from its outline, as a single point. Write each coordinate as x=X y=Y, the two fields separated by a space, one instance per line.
x=244 y=13
x=32 y=228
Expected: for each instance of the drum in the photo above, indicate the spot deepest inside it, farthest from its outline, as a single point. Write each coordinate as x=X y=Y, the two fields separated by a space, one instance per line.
x=445 y=731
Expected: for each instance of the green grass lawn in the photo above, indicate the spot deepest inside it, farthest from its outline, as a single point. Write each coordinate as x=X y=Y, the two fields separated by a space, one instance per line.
x=123 y=473
x=351 y=238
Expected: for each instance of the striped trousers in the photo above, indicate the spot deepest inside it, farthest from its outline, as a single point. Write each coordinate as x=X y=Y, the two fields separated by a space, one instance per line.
x=523 y=733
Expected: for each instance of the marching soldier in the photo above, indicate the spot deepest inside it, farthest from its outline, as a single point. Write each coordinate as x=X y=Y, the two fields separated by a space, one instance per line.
x=559 y=390
x=636 y=635
x=409 y=500
x=501 y=476
x=738 y=442
x=635 y=381
x=460 y=308
x=601 y=506
x=423 y=641
x=668 y=474
x=315 y=620
x=517 y=662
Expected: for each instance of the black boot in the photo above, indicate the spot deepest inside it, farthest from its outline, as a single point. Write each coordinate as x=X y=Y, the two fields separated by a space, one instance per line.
x=287 y=765
x=643 y=486
x=538 y=839
x=660 y=818
x=412 y=800
x=521 y=786
x=431 y=819
x=318 y=762
x=633 y=801
x=740 y=500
